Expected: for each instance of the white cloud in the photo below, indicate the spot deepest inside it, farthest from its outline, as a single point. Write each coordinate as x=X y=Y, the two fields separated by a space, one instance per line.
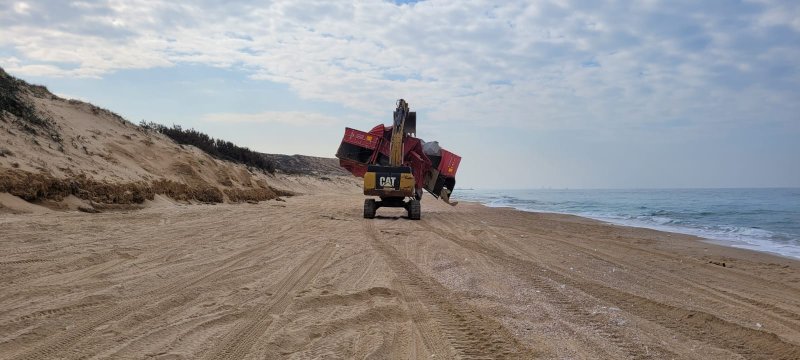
x=9 y=62
x=21 y=8
x=551 y=64
x=50 y=71
x=780 y=13
x=297 y=118
x=72 y=97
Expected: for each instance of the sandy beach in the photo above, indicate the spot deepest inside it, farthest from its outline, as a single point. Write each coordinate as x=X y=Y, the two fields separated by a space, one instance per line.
x=187 y=180
x=309 y=278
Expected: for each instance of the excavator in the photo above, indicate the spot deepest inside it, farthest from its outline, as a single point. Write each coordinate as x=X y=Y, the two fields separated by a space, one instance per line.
x=397 y=166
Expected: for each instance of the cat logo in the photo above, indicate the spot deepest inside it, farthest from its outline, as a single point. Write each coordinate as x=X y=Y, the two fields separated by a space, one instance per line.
x=386 y=181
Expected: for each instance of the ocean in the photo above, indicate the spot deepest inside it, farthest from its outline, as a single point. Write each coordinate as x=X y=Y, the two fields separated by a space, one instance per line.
x=758 y=219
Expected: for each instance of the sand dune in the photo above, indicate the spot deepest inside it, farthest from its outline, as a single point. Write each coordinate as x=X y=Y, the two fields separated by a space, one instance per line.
x=53 y=148
x=309 y=278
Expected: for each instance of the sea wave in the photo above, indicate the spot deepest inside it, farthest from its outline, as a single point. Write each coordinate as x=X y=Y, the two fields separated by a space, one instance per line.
x=724 y=224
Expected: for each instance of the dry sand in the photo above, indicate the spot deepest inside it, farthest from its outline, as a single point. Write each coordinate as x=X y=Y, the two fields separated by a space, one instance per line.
x=309 y=278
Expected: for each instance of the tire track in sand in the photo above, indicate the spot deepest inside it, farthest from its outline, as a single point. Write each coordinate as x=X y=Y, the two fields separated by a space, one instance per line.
x=60 y=344
x=559 y=297
x=467 y=333
x=694 y=324
x=718 y=295
x=239 y=341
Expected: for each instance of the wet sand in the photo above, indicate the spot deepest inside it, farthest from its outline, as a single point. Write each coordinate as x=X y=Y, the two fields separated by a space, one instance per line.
x=309 y=278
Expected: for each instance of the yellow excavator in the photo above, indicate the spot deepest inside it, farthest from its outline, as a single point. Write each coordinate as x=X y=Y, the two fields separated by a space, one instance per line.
x=394 y=182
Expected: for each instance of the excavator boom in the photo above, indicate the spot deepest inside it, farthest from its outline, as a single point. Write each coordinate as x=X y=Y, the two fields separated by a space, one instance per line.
x=398 y=131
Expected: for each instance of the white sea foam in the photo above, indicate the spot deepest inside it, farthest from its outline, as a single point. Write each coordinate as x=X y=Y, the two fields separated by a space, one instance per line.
x=740 y=237
x=690 y=221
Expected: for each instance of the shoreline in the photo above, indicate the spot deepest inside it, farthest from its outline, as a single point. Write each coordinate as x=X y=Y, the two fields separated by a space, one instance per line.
x=743 y=245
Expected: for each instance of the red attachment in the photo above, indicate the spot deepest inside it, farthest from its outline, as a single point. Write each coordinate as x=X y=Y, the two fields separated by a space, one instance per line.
x=415 y=158
x=360 y=149
x=380 y=130
x=354 y=167
x=449 y=164
x=360 y=138
x=385 y=146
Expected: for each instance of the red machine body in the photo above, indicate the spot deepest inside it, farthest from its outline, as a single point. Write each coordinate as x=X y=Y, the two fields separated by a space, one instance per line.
x=434 y=168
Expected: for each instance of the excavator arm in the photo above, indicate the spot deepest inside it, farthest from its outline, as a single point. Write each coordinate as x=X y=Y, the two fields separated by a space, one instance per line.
x=398 y=132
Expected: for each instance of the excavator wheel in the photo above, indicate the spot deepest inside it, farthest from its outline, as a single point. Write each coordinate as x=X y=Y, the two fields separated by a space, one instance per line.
x=414 y=209
x=369 y=208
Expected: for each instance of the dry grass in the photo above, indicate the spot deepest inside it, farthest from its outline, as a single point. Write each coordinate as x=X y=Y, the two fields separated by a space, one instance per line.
x=38 y=187
x=35 y=187
x=181 y=191
x=252 y=194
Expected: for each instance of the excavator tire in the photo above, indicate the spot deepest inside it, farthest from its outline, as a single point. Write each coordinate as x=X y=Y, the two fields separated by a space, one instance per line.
x=369 y=208
x=414 y=209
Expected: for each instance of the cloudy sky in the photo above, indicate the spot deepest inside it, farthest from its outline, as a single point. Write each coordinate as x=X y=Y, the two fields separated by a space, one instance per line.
x=561 y=93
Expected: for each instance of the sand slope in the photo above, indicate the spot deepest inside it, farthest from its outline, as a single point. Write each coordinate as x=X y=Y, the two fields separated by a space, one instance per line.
x=52 y=147
x=103 y=146
x=309 y=278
